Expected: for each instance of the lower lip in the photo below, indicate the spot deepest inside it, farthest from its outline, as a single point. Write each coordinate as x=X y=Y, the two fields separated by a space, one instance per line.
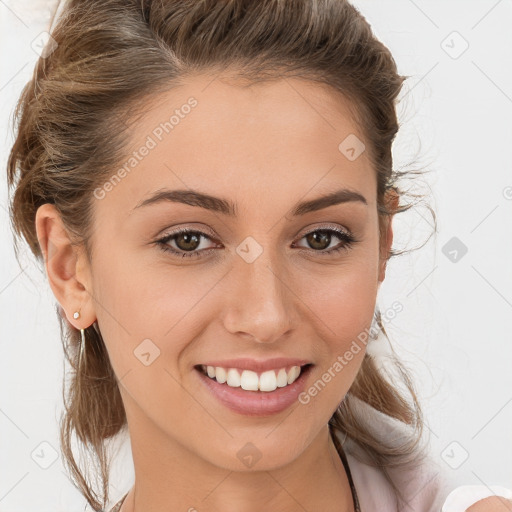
x=256 y=403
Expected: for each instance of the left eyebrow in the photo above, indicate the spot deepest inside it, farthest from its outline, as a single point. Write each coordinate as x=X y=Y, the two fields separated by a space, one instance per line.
x=226 y=207
x=338 y=197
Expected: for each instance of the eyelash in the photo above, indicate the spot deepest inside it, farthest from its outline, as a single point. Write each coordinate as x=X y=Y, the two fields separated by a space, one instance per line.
x=347 y=238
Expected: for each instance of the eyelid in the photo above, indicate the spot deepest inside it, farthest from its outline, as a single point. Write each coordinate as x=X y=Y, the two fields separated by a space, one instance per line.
x=335 y=227
x=188 y=227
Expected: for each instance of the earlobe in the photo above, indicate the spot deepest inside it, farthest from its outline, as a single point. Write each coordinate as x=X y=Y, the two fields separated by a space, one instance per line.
x=63 y=266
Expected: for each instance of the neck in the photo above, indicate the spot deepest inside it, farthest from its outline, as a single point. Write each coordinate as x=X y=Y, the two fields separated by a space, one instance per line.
x=170 y=477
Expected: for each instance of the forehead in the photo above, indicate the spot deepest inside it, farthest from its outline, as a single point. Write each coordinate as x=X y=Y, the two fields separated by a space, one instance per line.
x=278 y=139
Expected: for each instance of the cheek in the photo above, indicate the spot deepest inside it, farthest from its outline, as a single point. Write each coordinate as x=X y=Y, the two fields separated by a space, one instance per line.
x=341 y=299
x=342 y=304
x=342 y=315
x=347 y=288
x=146 y=308
x=343 y=294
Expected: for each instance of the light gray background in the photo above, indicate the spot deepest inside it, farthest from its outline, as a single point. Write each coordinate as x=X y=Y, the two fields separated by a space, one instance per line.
x=454 y=332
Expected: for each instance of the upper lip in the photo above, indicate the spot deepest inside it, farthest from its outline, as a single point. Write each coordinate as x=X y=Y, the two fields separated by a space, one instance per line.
x=258 y=365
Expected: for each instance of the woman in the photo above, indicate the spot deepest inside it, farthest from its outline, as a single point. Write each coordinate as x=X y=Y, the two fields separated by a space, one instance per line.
x=210 y=186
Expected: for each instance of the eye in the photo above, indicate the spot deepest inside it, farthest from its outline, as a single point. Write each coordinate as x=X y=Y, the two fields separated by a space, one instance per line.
x=320 y=239
x=187 y=242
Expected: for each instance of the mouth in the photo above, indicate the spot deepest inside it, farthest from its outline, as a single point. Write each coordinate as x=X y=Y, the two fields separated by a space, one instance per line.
x=248 y=380
x=264 y=397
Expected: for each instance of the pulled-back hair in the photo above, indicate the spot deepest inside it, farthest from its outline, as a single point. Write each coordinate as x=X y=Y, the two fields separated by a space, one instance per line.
x=72 y=127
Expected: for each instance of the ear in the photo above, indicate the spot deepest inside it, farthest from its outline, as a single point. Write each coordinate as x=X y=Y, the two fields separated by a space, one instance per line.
x=386 y=231
x=67 y=267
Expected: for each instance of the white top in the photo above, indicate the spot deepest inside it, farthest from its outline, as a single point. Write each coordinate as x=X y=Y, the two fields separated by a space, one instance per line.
x=423 y=483
x=424 y=489
x=427 y=486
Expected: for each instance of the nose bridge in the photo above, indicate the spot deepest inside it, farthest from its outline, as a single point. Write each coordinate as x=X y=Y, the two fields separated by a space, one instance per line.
x=261 y=303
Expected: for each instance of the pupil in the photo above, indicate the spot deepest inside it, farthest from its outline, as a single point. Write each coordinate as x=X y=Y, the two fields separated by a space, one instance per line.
x=321 y=237
x=188 y=238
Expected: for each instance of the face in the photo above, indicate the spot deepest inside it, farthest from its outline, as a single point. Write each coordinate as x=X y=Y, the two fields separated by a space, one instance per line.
x=255 y=277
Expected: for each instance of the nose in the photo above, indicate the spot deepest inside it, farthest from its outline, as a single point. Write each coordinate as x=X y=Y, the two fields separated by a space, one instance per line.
x=261 y=304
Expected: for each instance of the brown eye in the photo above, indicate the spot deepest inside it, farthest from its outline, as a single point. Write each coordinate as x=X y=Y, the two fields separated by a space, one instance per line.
x=319 y=239
x=187 y=241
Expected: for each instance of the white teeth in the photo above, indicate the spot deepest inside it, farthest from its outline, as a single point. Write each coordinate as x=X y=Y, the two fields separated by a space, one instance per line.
x=293 y=374
x=233 y=378
x=282 y=378
x=220 y=375
x=250 y=381
x=268 y=381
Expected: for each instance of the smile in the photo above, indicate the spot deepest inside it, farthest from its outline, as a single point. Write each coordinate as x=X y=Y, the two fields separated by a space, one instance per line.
x=271 y=399
x=253 y=381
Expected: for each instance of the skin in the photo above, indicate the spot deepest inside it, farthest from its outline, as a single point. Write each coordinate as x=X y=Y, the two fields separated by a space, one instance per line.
x=265 y=147
x=491 y=504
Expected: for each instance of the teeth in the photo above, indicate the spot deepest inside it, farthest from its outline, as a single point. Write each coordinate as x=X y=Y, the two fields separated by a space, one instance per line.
x=293 y=374
x=220 y=374
x=234 y=379
x=250 y=381
x=282 y=378
x=268 y=381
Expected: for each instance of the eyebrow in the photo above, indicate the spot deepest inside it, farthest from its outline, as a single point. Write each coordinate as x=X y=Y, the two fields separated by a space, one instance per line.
x=225 y=207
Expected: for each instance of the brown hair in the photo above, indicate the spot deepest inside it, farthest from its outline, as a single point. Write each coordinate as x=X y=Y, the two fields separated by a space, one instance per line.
x=72 y=122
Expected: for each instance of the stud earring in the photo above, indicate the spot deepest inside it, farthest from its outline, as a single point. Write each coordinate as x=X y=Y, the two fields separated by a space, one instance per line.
x=76 y=314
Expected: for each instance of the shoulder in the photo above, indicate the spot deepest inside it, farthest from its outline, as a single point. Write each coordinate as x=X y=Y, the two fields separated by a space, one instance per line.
x=423 y=483
x=479 y=498
x=424 y=487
